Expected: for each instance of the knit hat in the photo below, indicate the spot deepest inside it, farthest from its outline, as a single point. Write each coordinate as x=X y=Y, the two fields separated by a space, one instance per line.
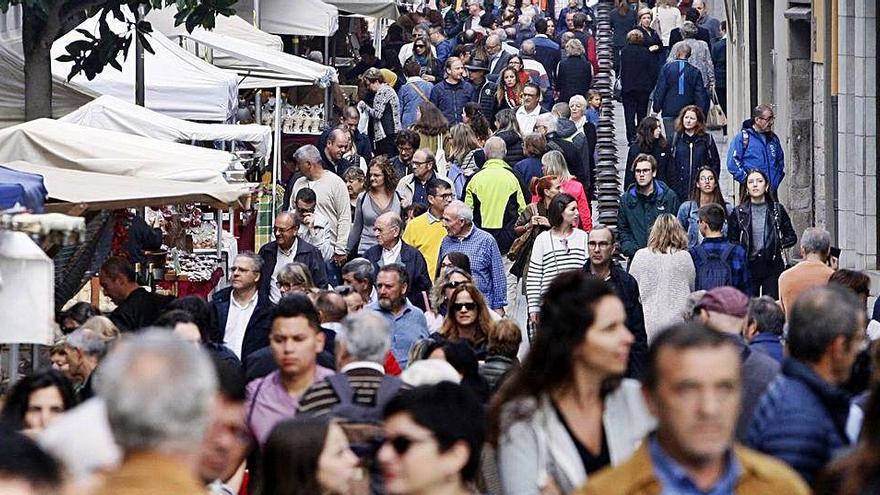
x=390 y=76
x=725 y=300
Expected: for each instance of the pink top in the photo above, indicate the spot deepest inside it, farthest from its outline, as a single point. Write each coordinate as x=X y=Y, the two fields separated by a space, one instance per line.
x=576 y=190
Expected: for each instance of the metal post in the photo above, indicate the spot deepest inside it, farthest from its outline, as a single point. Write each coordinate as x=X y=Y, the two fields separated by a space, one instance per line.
x=13 y=363
x=328 y=106
x=257 y=14
x=35 y=357
x=219 y=230
x=139 y=63
x=276 y=158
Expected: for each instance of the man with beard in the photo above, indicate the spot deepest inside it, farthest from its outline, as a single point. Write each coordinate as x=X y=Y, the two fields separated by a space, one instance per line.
x=407 y=322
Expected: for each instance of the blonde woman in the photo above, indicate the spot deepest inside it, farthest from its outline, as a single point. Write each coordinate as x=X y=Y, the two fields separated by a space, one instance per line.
x=666 y=18
x=553 y=163
x=461 y=149
x=665 y=273
x=294 y=277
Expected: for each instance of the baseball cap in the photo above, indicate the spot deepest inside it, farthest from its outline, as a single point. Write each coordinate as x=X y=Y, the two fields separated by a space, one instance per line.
x=725 y=300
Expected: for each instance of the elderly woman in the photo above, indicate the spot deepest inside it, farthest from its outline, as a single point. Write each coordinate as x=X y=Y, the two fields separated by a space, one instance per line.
x=384 y=113
x=638 y=76
x=575 y=74
x=294 y=277
x=578 y=106
x=355 y=180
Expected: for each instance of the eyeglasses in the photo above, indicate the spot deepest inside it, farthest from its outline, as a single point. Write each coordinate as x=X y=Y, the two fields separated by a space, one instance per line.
x=419 y=46
x=452 y=285
x=302 y=211
x=279 y=230
x=460 y=306
x=421 y=163
x=240 y=269
x=598 y=244
x=533 y=95
x=402 y=444
x=642 y=171
x=707 y=179
x=443 y=196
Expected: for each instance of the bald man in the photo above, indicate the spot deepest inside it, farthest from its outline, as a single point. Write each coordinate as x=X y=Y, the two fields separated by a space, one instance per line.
x=391 y=249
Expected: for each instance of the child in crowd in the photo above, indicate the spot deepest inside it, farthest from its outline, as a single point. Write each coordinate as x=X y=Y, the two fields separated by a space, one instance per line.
x=594 y=102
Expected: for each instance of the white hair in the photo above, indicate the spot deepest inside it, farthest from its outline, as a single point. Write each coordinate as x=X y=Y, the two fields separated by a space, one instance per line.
x=88 y=341
x=158 y=392
x=495 y=148
x=577 y=99
x=429 y=372
x=549 y=121
x=463 y=211
x=367 y=336
x=308 y=153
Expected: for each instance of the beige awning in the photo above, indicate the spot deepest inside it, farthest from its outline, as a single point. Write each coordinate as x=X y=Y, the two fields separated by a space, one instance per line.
x=77 y=191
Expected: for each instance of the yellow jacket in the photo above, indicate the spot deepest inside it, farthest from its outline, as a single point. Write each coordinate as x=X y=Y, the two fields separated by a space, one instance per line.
x=761 y=475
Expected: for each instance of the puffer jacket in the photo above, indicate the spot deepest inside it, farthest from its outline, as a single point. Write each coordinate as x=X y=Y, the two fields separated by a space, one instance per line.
x=584 y=141
x=739 y=229
x=484 y=96
x=689 y=153
x=757 y=151
x=514 y=146
x=801 y=420
x=637 y=214
x=496 y=369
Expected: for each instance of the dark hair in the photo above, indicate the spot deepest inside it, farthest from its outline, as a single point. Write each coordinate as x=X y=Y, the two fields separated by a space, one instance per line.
x=450 y=330
x=170 y=319
x=478 y=121
x=458 y=260
x=645 y=135
x=306 y=195
x=567 y=312
x=819 y=316
x=388 y=171
x=744 y=190
x=231 y=381
x=79 y=312
x=505 y=337
x=367 y=49
x=433 y=187
x=700 y=128
x=767 y=315
x=557 y=206
x=24 y=460
x=533 y=86
x=200 y=311
x=296 y=304
x=327 y=303
x=411 y=68
x=406 y=136
x=541 y=26
x=290 y=457
x=462 y=357
x=451 y=412
x=413 y=210
x=717 y=197
x=713 y=215
x=855 y=473
x=644 y=157
x=431 y=121
x=683 y=336
x=116 y=266
x=856 y=281
x=579 y=20
x=534 y=145
x=18 y=399
x=399 y=269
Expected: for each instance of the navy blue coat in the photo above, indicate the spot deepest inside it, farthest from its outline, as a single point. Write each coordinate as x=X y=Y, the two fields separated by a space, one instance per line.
x=679 y=84
x=306 y=254
x=416 y=269
x=801 y=420
x=256 y=335
x=689 y=153
x=547 y=52
x=451 y=98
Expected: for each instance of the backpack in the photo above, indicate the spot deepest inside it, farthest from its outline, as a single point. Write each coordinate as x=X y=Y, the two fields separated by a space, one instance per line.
x=715 y=271
x=363 y=427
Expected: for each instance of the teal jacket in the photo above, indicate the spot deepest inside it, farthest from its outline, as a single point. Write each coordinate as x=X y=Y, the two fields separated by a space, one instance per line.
x=636 y=215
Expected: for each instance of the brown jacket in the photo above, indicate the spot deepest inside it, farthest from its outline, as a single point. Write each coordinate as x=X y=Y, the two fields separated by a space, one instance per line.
x=761 y=475
x=149 y=473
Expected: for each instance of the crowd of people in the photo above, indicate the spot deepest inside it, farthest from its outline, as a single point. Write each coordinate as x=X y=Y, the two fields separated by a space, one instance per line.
x=439 y=312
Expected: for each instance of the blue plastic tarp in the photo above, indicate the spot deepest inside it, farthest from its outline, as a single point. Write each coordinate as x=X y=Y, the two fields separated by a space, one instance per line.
x=32 y=190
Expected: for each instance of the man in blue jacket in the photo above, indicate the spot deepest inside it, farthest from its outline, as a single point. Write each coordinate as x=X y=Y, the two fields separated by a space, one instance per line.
x=679 y=84
x=757 y=147
x=802 y=418
x=451 y=94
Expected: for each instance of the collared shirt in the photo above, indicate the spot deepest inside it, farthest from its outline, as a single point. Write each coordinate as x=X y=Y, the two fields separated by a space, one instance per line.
x=407 y=327
x=362 y=364
x=237 y=321
x=269 y=402
x=526 y=119
x=425 y=233
x=391 y=256
x=420 y=192
x=675 y=479
x=486 y=263
x=283 y=258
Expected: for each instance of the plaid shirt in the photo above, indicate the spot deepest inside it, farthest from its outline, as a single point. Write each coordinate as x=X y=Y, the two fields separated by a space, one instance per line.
x=739 y=262
x=486 y=264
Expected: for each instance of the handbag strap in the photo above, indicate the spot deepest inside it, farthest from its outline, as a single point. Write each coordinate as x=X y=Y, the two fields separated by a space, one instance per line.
x=419 y=91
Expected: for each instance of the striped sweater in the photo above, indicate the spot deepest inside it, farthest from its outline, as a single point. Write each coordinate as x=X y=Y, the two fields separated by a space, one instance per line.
x=552 y=255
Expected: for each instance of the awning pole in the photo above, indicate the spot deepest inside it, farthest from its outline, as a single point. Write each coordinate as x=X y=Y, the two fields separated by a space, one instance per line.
x=257 y=14
x=276 y=162
x=327 y=101
x=13 y=363
x=220 y=230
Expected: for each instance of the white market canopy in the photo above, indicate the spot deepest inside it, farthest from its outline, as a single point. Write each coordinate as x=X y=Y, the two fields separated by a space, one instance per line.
x=383 y=9
x=113 y=114
x=63 y=145
x=302 y=18
x=253 y=59
x=176 y=82
x=97 y=191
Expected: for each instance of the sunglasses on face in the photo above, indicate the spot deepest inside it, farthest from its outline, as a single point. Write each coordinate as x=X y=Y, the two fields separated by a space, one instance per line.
x=452 y=285
x=401 y=444
x=460 y=306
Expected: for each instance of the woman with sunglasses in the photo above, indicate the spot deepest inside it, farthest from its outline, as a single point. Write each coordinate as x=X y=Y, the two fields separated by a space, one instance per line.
x=763 y=227
x=444 y=285
x=468 y=319
x=307 y=456
x=433 y=438
x=704 y=191
x=430 y=66
x=566 y=412
x=510 y=89
x=560 y=249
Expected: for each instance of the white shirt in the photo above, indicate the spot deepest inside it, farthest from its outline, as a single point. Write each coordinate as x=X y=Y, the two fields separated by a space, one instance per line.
x=282 y=260
x=237 y=322
x=390 y=256
x=527 y=120
x=319 y=235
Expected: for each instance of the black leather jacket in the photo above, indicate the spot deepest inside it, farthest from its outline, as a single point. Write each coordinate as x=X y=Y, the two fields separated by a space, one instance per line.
x=778 y=232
